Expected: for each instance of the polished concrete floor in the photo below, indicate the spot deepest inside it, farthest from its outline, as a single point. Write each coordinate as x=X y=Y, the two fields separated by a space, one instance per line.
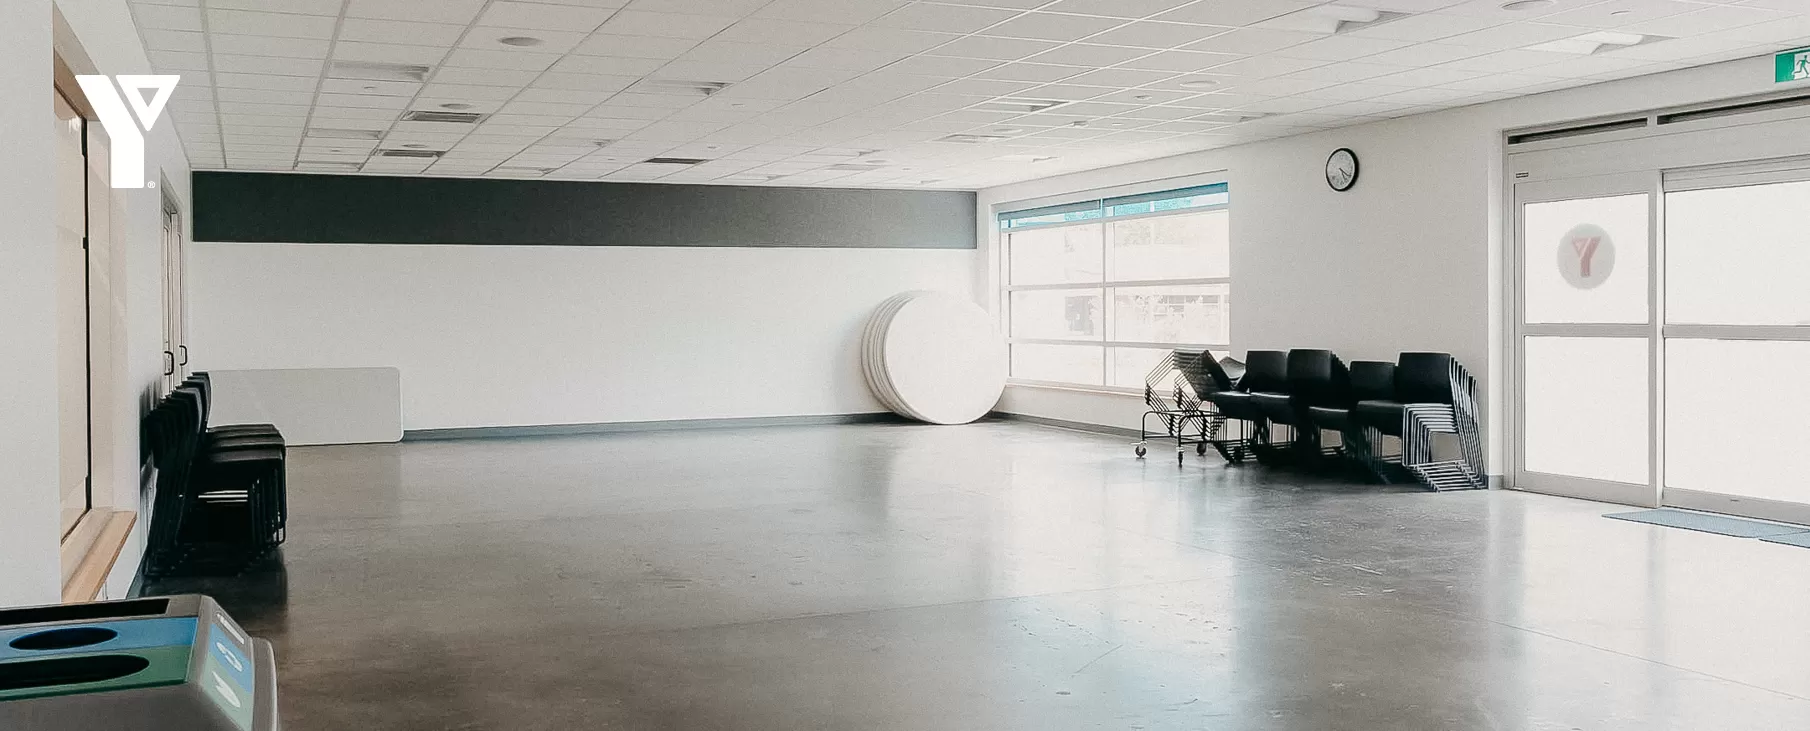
x=992 y=576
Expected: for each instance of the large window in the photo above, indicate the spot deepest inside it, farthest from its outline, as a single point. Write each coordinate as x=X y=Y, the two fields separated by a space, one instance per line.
x=1096 y=292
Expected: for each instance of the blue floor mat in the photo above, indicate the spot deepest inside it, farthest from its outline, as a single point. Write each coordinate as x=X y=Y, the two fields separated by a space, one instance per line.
x=1718 y=524
x=1801 y=540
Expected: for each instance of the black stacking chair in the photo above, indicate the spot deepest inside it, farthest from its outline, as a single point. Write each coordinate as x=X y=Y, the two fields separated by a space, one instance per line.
x=1265 y=376
x=1374 y=382
x=1313 y=377
x=1433 y=394
x=1219 y=378
x=215 y=510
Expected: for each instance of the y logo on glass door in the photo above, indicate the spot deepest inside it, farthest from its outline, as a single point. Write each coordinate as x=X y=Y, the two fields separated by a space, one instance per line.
x=123 y=130
x=1586 y=256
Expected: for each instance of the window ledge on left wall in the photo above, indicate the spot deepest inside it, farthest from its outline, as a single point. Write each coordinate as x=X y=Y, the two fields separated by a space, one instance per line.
x=115 y=528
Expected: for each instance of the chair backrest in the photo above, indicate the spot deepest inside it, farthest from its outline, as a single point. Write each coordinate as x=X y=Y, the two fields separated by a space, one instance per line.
x=1265 y=370
x=1423 y=378
x=1318 y=377
x=1192 y=366
x=1233 y=369
x=1372 y=380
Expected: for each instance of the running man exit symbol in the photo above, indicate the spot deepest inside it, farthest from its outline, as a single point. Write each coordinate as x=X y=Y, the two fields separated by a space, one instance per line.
x=1792 y=66
x=1586 y=256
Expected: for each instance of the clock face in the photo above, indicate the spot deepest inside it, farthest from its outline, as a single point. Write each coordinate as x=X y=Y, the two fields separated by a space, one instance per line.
x=1342 y=169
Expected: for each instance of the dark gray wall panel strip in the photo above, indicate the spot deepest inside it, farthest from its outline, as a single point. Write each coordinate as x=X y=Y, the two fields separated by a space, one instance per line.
x=349 y=209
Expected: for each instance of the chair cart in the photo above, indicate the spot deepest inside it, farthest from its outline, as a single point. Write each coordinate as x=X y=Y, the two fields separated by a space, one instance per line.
x=1173 y=391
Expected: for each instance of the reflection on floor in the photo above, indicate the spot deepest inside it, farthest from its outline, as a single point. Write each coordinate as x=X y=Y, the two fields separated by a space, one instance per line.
x=993 y=576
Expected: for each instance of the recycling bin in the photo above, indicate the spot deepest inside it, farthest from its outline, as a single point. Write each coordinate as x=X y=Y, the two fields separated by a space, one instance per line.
x=175 y=663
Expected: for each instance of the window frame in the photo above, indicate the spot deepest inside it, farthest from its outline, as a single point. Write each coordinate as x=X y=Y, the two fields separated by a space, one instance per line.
x=1099 y=206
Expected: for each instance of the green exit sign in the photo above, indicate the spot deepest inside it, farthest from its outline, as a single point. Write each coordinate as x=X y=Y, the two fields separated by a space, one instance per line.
x=1792 y=66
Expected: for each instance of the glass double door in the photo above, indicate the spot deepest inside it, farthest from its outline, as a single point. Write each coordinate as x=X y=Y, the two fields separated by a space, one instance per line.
x=1662 y=337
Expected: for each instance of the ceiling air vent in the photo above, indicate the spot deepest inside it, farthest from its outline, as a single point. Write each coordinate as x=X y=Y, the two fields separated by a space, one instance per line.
x=674 y=161
x=1577 y=131
x=1729 y=110
x=423 y=154
x=450 y=117
x=369 y=71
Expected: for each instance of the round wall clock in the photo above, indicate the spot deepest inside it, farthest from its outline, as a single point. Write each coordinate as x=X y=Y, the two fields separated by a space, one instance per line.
x=1342 y=169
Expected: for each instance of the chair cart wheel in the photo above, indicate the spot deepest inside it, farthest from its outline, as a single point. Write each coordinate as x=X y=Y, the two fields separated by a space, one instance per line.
x=1140 y=450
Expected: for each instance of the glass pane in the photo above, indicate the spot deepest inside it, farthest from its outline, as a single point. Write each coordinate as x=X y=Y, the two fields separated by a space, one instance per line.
x=1586 y=260
x=1585 y=405
x=1129 y=366
x=71 y=285
x=1193 y=313
x=1734 y=417
x=1738 y=256
x=1055 y=255
x=1057 y=314
x=1187 y=246
x=1077 y=364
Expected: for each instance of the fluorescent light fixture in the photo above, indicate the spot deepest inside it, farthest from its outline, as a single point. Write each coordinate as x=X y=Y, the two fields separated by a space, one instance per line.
x=520 y=41
x=1198 y=84
x=369 y=71
x=1025 y=158
x=970 y=139
x=1522 y=6
x=1589 y=43
x=1022 y=106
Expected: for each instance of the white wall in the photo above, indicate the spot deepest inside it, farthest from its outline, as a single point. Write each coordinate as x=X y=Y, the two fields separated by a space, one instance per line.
x=500 y=336
x=1407 y=260
x=28 y=435
x=103 y=29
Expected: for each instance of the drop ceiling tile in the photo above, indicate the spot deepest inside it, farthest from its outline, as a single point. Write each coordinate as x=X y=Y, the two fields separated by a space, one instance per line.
x=608 y=65
x=791 y=32
x=508 y=60
x=851 y=59
x=1052 y=26
x=388 y=53
x=484 y=77
x=1282 y=86
x=1709 y=20
x=1344 y=72
x=266 y=65
x=167 y=17
x=853 y=12
x=1263 y=67
x=1514 y=35
x=666 y=25
x=1119 y=78
x=1234 y=13
x=1288 y=105
x=276 y=25
x=1498 y=82
x=1341 y=48
x=1150 y=34
x=604 y=44
x=1424 y=54
x=458 y=12
x=1251 y=41
x=1429 y=27
x=1427 y=77
x=999 y=49
x=1353 y=92
x=706 y=71
x=1069 y=92
x=946 y=18
x=571 y=18
x=1085 y=54
x=557 y=79
x=266 y=46
x=264 y=96
x=755 y=55
x=167 y=61
x=1180 y=61
x=328 y=111
x=1517 y=60
x=362 y=101
x=269 y=82
x=377 y=88
x=304 y=7
x=1146 y=96
x=463 y=104
x=1038 y=72
x=175 y=40
x=491 y=38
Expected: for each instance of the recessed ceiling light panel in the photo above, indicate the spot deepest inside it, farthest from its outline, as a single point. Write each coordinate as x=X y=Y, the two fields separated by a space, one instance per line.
x=520 y=41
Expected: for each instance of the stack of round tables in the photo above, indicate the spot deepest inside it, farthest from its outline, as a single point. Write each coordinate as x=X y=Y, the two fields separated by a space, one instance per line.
x=935 y=357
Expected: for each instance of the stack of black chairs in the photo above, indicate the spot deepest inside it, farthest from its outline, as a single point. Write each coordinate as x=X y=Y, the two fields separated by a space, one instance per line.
x=1285 y=402
x=220 y=504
